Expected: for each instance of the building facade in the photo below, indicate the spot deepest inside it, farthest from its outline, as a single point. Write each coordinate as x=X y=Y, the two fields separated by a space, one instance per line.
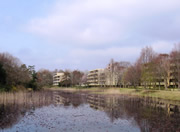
x=96 y=77
x=57 y=78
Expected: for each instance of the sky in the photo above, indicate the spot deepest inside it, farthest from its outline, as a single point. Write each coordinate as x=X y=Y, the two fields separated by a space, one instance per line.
x=86 y=34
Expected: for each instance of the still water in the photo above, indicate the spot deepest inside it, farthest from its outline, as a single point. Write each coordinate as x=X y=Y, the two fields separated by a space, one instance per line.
x=60 y=111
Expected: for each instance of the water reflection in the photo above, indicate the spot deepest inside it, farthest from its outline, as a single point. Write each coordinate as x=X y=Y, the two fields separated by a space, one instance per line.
x=13 y=106
x=149 y=114
x=136 y=114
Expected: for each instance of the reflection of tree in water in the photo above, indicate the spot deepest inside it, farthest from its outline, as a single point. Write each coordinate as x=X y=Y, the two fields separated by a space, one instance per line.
x=9 y=115
x=145 y=113
x=152 y=118
x=148 y=118
x=13 y=106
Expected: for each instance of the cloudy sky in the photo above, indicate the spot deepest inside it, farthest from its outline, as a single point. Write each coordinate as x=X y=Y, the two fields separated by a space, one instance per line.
x=86 y=34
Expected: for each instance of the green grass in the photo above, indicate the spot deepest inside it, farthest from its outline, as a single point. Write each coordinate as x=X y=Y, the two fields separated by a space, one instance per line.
x=169 y=95
x=163 y=94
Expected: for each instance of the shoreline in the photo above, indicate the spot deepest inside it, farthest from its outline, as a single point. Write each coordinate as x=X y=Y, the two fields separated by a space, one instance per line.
x=161 y=94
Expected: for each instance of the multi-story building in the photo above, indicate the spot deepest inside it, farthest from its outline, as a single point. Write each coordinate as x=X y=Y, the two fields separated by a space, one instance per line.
x=114 y=73
x=57 y=78
x=96 y=77
x=109 y=76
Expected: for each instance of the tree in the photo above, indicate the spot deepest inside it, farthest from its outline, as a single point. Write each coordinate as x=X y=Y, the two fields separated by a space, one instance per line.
x=11 y=66
x=33 y=82
x=44 y=78
x=147 y=55
x=129 y=77
x=24 y=75
x=119 y=70
x=66 y=80
x=175 y=64
x=76 y=77
x=162 y=69
x=2 y=76
x=132 y=75
x=148 y=66
x=84 y=78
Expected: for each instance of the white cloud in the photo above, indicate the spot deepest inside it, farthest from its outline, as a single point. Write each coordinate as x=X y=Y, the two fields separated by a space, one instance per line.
x=94 y=22
x=109 y=28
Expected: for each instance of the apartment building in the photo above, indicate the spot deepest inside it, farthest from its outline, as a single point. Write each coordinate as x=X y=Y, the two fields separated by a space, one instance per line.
x=114 y=72
x=106 y=77
x=96 y=77
x=57 y=78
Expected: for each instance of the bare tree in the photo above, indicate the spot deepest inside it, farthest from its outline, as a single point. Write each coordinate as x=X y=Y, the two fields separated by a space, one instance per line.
x=146 y=60
x=66 y=80
x=84 y=78
x=175 y=64
x=119 y=69
x=147 y=55
x=76 y=77
x=132 y=76
x=129 y=77
x=44 y=78
x=162 y=68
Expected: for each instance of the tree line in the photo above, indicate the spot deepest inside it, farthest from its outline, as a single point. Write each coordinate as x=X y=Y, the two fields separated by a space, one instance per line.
x=15 y=75
x=151 y=70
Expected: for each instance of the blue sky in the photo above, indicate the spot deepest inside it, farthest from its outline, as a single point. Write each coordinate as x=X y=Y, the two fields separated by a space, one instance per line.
x=86 y=34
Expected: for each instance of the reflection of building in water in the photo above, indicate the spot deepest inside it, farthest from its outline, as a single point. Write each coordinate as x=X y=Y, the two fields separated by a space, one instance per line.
x=96 y=102
x=60 y=100
x=123 y=106
x=147 y=112
x=104 y=103
x=107 y=103
x=68 y=98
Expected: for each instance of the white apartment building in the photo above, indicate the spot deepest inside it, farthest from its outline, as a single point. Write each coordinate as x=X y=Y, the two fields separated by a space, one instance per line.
x=57 y=78
x=96 y=77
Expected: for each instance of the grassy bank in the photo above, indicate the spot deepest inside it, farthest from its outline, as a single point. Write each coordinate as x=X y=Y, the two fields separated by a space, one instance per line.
x=168 y=95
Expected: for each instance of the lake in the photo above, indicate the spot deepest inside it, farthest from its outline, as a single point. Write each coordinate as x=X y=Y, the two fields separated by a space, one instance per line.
x=65 y=111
